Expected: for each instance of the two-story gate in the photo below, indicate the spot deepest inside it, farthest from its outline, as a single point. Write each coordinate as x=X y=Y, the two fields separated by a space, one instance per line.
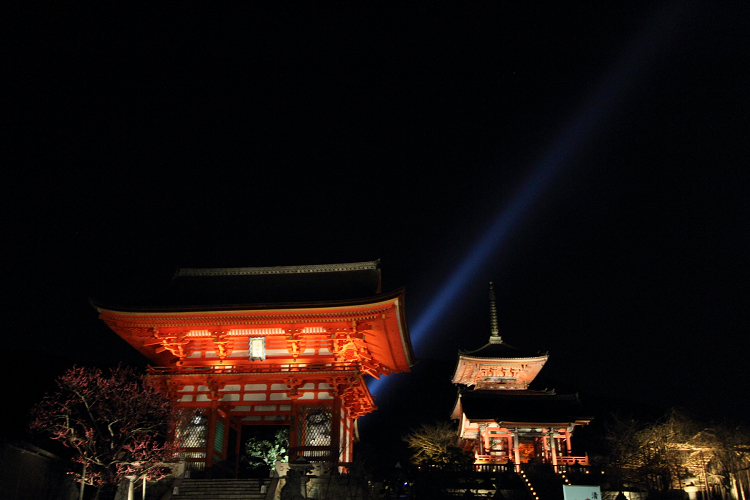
x=273 y=345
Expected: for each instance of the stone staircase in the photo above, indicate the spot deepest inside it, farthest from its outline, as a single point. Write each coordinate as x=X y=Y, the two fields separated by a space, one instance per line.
x=546 y=483
x=223 y=489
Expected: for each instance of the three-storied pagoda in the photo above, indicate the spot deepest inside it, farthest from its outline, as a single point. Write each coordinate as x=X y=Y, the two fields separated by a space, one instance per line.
x=500 y=418
x=269 y=345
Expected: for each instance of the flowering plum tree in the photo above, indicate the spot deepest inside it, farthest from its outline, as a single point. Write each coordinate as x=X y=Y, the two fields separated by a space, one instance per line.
x=117 y=423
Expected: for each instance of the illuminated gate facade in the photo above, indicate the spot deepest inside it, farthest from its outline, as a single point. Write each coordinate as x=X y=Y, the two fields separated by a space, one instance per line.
x=275 y=345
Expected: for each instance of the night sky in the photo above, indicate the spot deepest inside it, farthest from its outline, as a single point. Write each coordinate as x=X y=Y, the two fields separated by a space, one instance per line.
x=596 y=158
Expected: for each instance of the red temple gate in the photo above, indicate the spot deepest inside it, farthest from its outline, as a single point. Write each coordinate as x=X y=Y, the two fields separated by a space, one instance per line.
x=269 y=346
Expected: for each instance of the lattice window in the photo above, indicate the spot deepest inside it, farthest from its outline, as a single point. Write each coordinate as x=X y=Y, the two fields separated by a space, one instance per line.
x=314 y=428
x=192 y=427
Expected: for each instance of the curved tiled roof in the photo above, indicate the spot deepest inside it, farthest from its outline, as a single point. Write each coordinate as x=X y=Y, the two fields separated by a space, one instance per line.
x=501 y=350
x=227 y=288
x=521 y=406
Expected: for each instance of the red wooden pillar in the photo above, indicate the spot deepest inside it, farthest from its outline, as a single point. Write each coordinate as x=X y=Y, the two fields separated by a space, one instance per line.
x=294 y=431
x=211 y=435
x=567 y=442
x=347 y=432
x=225 y=443
x=336 y=428
x=553 y=442
x=545 y=447
x=516 y=451
x=509 y=445
x=237 y=451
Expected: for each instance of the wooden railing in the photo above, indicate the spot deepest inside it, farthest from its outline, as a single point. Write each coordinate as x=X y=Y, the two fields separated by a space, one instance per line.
x=492 y=463
x=273 y=368
x=313 y=453
x=491 y=459
x=584 y=461
x=494 y=467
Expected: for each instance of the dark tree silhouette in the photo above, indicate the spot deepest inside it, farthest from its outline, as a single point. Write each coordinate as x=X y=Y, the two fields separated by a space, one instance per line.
x=678 y=451
x=435 y=445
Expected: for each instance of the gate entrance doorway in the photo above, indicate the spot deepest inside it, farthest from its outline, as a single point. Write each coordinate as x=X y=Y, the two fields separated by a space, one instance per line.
x=260 y=447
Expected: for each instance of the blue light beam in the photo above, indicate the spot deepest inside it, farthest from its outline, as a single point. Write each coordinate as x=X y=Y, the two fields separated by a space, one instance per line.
x=616 y=85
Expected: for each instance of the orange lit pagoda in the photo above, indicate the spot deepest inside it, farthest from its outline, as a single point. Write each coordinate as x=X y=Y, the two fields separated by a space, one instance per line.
x=269 y=345
x=500 y=418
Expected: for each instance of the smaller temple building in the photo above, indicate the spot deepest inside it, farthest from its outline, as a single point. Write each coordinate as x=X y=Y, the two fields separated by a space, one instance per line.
x=501 y=419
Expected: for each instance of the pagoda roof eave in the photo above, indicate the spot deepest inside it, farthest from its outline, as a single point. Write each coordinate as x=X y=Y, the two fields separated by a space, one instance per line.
x=457 y=409
x=523 y=408
x=482 y=359
x=501 y=350
x=455 y=370
x=533 y=423
x=462 y=359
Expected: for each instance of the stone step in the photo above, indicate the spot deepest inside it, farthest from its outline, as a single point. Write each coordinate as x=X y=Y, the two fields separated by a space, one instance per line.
x=222 y=489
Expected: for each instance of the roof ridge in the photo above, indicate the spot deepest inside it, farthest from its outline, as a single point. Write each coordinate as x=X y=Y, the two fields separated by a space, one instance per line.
x=521 y=394
x=502 y=343
x=304 y=269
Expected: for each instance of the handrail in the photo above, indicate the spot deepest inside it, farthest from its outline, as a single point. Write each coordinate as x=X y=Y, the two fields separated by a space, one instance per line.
x=503 y=459
x=272 y=487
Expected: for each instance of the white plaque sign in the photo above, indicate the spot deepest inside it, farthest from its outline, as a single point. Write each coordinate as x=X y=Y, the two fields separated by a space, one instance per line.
x=579 y=492
x=257 y=348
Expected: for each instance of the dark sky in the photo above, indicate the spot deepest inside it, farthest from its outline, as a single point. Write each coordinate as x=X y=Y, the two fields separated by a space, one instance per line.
x=143 y=139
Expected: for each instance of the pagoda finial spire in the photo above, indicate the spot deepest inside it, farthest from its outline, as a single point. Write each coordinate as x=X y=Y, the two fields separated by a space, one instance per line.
x=495 y=334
